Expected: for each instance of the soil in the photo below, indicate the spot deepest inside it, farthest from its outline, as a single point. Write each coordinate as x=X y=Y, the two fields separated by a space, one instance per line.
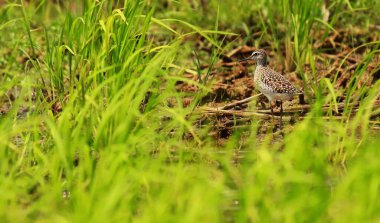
x=232 y=81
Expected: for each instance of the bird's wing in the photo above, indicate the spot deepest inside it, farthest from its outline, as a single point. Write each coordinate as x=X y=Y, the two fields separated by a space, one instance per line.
x=277 y=82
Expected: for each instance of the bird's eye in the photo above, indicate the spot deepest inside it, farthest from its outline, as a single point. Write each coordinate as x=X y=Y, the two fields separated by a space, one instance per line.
x=255 y=54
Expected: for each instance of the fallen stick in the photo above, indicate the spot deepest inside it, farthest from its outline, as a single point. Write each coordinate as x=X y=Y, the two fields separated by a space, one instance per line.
x=297 y=109
x=235 y=112
x=230 y=105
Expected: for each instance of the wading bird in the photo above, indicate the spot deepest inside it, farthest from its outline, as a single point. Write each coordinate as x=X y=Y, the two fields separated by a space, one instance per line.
x=270 y=83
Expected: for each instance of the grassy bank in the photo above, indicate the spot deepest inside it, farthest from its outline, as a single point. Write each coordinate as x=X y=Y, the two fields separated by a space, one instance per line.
x=100 y=118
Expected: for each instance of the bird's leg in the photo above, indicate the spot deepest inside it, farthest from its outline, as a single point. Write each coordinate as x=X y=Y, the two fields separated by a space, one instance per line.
x=271 y=109
x=262 y=105
x=281 y=110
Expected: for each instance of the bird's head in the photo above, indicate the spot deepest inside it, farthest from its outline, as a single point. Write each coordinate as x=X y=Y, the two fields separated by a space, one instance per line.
x=258 y=55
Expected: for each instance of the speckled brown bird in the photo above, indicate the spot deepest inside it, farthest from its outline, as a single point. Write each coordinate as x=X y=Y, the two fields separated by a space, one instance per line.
x=272 y=84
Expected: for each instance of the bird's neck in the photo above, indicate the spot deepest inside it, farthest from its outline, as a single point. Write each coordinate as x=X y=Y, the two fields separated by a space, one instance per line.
x=262 y=62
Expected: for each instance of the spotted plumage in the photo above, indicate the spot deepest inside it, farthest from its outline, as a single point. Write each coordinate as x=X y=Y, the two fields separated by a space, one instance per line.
x=272 y=84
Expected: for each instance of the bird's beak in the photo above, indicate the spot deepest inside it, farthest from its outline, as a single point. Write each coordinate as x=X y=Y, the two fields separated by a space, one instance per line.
x=249 y=58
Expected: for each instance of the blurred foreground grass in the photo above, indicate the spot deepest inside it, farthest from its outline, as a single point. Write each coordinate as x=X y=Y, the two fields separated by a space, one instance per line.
x=88 y=135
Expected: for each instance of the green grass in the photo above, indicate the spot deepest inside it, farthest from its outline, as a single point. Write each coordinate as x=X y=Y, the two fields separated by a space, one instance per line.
x=89 y=134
